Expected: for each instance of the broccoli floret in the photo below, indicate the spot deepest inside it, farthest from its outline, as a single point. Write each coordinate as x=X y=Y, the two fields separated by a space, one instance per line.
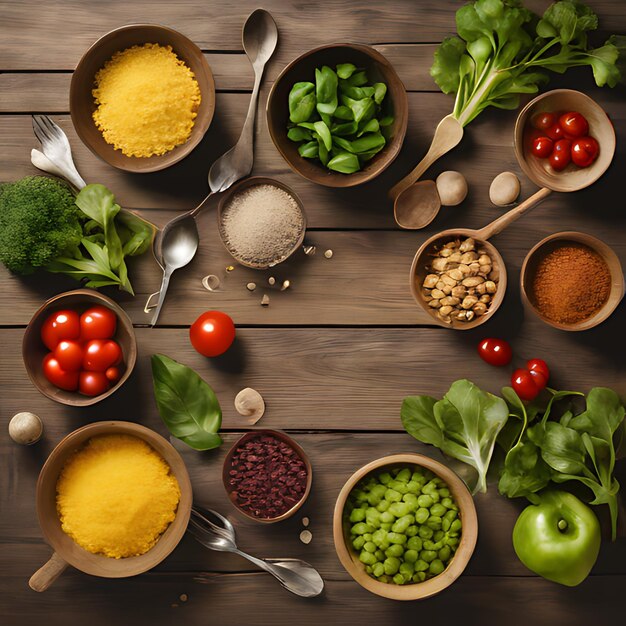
x=39 y=222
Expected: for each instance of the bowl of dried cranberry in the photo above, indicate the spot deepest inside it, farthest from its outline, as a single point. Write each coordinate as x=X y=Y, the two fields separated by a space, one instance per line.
x=267 y=476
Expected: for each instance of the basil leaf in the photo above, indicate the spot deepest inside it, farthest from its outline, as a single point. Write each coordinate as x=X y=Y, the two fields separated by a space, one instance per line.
x=187 y=405
x=344 y=162
x=299 y=134
x=309 y=150
x=301 y=102
x=326 y=90
x=345 y=70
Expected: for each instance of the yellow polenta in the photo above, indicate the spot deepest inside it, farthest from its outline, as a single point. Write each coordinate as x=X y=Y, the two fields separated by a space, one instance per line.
x=116 y=496
x=147 y=100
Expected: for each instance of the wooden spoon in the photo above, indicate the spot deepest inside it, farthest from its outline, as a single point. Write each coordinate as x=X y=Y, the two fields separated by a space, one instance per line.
x=414 y=205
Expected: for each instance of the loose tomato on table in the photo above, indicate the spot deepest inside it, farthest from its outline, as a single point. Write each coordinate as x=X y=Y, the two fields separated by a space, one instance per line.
x=212 y=333
x=64 y=324
x=585 y=151
x=98 y=322
x=101 y=354
x=574 y=124
x=540 y=372
x=524 y=384
x=57 y=375
x=494 y=351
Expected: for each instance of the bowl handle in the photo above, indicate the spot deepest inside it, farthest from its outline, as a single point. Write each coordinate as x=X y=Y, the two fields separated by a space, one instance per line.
x=47 y=573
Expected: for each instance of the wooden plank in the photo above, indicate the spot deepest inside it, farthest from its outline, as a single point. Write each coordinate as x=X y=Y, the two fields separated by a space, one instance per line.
x=232 y=600
x=335 y=378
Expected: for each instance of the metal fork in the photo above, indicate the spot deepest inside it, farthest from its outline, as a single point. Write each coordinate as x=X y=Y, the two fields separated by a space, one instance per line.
x=56 y=148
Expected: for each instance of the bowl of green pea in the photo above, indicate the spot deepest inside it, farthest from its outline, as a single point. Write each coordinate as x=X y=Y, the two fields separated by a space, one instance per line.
x=405 y=526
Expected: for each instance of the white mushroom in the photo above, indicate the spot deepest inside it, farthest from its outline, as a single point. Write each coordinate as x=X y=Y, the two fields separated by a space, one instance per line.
x=250 y=403
x=504 y=189
x=25 y=428
x=451 y=187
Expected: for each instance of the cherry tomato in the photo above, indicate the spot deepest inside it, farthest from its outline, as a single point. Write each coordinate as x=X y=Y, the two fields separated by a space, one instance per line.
x=212 y=333
x=542 y=147
x=555 y=132
x=524 y=384
x=574 y=124
x=585 y=151
x=538 y=369
x=69 y=354
x=92 y=383
x=100 y=354
x=495 y=351
x=98 y=322
x=63 y=324
x=543 y=121
x=57 y=375
x=113 y=374
x=561 y=155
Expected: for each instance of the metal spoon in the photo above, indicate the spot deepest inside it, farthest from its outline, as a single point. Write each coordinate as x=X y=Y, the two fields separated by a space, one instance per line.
x=260 y=37
x=295 y=575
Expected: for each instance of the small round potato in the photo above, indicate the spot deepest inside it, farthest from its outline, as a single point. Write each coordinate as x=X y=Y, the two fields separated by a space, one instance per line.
x=504 y=189
x=452 y=188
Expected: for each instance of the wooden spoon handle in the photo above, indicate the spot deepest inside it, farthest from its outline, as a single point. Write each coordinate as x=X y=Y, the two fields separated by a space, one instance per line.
x=447 y=135
x=47 y=573
x=510 y=216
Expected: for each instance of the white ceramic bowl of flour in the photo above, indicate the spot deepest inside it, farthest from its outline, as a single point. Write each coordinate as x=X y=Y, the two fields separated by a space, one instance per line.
x=261 y=222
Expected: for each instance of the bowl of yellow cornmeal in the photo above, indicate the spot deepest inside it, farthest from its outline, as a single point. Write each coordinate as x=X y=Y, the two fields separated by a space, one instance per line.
x=113 y=500
x=142 y=97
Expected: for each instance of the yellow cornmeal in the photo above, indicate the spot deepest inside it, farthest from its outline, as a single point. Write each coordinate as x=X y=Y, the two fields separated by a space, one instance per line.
x=116 y=496
x=147 y=100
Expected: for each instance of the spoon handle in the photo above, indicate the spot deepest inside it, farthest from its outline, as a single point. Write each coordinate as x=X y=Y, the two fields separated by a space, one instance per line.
x=162 y=291
x=503 y=221
x=246 y=139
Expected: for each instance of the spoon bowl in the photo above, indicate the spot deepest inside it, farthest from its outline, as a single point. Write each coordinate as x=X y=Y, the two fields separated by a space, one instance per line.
x=260 y=36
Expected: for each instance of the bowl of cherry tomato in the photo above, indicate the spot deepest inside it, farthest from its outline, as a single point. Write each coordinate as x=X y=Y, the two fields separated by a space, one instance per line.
x=79 y=347
x=564 y=140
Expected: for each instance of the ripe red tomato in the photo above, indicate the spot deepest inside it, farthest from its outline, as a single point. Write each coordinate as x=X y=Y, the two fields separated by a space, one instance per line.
x=561 y=155
x=555 y=132
x=495 y=351
x=543 y=121
x=100 y=354
x=69 y=354
x=92 y=383
x=113 y=374
x=212 y=333
x=585 y=151
x=57 y=375
x=538 y=369
x=98 y=322
x=574 y=124
x=524 y=384
x=63 y=324
x=542 y=147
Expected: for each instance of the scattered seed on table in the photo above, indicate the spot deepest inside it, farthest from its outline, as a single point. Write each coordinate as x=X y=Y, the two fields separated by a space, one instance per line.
x=328 y=254
x=183 y=597
x=271 y=280
x=309 y=250
x=211 y=282
x=265 y=300
x=230 y=268
x=251 y=286
x=305 y=521
x=306 y=536
x=285 y=285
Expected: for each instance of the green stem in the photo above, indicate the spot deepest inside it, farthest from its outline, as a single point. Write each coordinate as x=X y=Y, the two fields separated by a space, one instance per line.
x=478 y=95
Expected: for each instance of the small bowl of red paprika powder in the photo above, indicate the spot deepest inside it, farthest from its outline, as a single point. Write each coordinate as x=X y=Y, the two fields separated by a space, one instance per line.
x=267 y=476
x=572 y=281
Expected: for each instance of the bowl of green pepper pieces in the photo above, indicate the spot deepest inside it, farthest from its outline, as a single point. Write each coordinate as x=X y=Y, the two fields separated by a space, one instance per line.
x=405 y=526
x=338 y=114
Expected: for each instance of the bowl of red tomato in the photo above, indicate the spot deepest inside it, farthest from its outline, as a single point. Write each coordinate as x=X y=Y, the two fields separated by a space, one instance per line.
x=79 y=347
x=564 y=140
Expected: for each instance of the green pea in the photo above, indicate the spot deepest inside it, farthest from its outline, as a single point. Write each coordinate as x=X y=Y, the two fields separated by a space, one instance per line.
x=406 y=569
x=399 y=579
x=430 y=487
x=453 y=542
x=419 y=577
x=425 y=532
x=414 y=543
x=447 y=502
x=445 y=553
x=434 y=522
x=367 y=557
x=421 y=515
x=413 y=487
x=372 y=517
x=445 y=524
x=444 y=492
x=368 y=569
x=411 y=531
x=370 y=546
x=450 y=515
x=410 y=499
x=391 y=565
x=386 y=526
x=402 y=524
x=427 y=555
x=399 y=486
x=384 y=578
x=456 y=525
x=357 y=515
x=436 y=567
x=396 y=538
x=368 y=536
x=383 y=505
x=410 y=556
x=404 y=475
x=392 y=495
x=432 y=545
x=435 y=496
x=379 y=554
x=438 y=535
x=358 y=543
x=400 y=509
x=387 y=517
x=438 y=510
x=378 y=569
x=425 y=501
x=361 y=528
x=385 y=478
x=394 y=550
x=359 y=495
x=420 y=565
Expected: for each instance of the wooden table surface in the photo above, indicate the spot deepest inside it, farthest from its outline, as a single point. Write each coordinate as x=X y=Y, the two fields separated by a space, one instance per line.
x=333 y=356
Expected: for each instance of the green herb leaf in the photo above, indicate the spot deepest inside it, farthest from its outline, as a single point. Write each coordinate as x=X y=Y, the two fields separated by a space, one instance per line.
x=345 y=70
x=187 y=405
x=326 y=82
x=344 y=162
x=301 y=102
x=299 y=134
